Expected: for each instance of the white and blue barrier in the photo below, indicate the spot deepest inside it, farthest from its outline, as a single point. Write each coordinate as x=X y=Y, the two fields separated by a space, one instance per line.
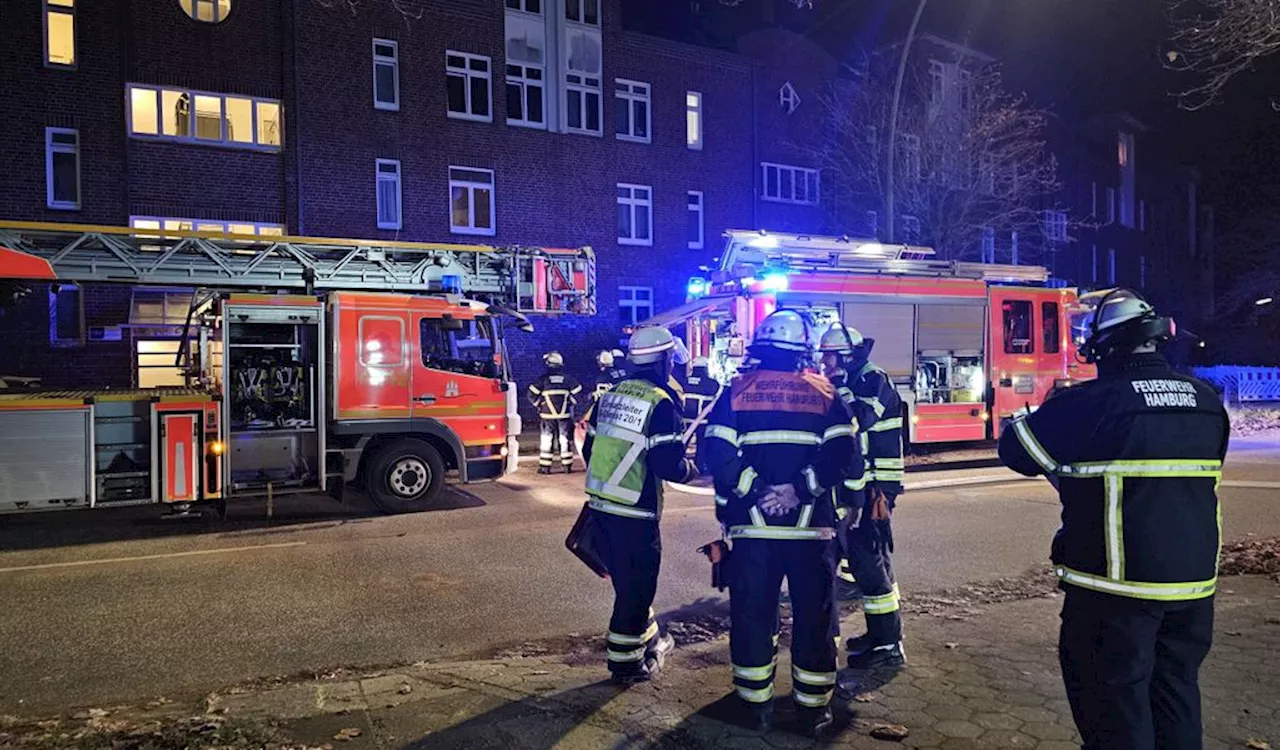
x=1243 y=384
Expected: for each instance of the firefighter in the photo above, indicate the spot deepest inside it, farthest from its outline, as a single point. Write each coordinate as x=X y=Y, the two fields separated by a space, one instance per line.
x=700 y=391
x=778 y=442
x=1136 y=455
x=634 y=442
x=877 y=410
x=555 y=394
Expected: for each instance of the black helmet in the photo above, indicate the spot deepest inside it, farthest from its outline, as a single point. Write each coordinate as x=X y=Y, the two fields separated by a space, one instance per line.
x=1116 y=321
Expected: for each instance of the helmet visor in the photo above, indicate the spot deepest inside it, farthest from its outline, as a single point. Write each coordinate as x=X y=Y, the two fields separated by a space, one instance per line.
x=681 y=355
x=1080 y=316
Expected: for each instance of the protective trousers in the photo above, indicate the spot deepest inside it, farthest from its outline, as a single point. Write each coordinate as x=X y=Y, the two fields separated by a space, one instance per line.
x=632 y=553
x=872 y=565
x=758 y=568
x=554 y=430
x=1131 y=669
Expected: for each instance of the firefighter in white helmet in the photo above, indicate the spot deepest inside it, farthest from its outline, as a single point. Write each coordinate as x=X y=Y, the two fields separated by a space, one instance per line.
x=634 y=442
x=555 y=394
x=877 y=409
x=778 y=443
x=1136 y=455
x=700 y=391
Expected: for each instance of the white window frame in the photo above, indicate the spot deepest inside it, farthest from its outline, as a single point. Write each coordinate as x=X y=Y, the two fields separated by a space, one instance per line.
x=696 y=204
x=466 y=73
x=392 y=61
x=582 y=12
x=63 y=8
x=191 y=138
x=381 y=176
x=226 y=226
x=632 y=202
x=1055 y=225
x=51 y=148
x=524 y=82
x=628 y=298
x=471 y=186
x=634 y=93
x=523 y=6
x=910 y=228
x=585 y=85
x=693 y=120
x=811 y=197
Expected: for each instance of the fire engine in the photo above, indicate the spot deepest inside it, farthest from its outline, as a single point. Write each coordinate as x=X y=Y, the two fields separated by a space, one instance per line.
x=308 y=363
x=963 y=342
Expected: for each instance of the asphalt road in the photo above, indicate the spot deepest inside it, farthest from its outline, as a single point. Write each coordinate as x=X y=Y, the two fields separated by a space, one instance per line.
x=102 y=608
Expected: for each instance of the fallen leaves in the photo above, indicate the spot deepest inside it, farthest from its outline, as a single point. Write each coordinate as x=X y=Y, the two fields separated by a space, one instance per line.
x=405 y=689
x=349 y=733
x=1252 y=557
x=865 y=697
x=891 y=732
x=1254 y=744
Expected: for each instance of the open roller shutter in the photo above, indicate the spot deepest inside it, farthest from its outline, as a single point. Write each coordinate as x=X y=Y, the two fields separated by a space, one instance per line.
x=950 y=328
x=893 y=327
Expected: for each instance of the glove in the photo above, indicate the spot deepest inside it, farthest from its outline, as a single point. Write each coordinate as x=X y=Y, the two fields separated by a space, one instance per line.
x=881 y=530
x=780 y=500
x=879 y=504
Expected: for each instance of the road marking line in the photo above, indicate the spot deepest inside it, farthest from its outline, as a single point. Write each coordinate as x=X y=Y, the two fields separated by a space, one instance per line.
x=190 y=553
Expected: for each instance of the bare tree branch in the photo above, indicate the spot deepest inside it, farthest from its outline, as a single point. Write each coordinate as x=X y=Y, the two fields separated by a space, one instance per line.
x=1216 y=40
x=410 y=10
x=975 y=160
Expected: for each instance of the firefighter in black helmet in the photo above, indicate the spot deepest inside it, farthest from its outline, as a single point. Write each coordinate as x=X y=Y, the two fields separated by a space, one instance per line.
x=1136 y=455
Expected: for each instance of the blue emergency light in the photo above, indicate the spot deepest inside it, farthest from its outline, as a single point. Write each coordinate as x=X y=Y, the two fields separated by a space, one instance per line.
x=697 y=286
x=774 y=281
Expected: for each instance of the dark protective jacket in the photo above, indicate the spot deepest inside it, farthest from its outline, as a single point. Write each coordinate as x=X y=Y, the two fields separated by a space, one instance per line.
x=772 y=427
x=878 y=409
x=700 y=390
x=1136 y=455
x=633 y=443
x=555 y=394
x=605 y=382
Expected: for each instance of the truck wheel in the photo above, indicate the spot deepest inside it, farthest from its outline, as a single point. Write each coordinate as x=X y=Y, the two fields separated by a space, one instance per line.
x=405 y=476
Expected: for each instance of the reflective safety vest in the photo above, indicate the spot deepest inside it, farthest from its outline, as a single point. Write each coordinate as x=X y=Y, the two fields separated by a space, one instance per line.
x=621 y=441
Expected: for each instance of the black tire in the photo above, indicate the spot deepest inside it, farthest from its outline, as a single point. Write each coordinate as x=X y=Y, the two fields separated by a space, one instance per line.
x=396 y=480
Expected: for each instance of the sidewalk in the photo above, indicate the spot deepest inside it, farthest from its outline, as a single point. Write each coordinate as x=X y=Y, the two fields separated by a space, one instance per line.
x=982 y=676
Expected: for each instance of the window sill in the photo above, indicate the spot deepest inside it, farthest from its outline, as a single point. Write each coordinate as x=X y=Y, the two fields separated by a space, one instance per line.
x=392 y=227
x=469 y=117
x=384 y=107
x=578 y=131
x=62 y=206
x=635 y=243
x=696 y=245
x=529 y=124
x=148 y=138
x=695 y=147
x=632 y=138
x=767 y=199
x=61 y=66
x=472 y=232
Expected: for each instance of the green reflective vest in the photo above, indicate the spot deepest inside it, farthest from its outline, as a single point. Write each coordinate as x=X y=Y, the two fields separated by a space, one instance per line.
x=620 y=446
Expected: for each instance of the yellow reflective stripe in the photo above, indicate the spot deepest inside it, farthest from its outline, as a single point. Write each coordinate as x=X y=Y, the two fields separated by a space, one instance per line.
x=722 y=500
x=763 y=695
x=887 y=475
x=633 y=640
x=757 y=517
x=555 y=392
x=838 y=431
x=1033 y=447
x=811 y=480
x=874 y=403
x=845 y=575
x=1146 y=468
x=806 y=515
x=657 y=440
x=864 y=443
x=1170 y=592
x=820 y=679
x=1113 y=526
x=605 y=506
x=841 y=512
x=856 y=484
x=755 y=674
x=889 y=463
x=812 y=701
x=883 y=604
x=883 y=425
x=790 y=437
x=626 y=656
x=779 y=532
x=745 y=480
x=727 y=434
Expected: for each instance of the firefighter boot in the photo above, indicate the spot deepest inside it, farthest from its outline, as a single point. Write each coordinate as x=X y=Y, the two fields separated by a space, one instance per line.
x=657 y=655
x=757 y=717
x=812 y=722
x=871 y=657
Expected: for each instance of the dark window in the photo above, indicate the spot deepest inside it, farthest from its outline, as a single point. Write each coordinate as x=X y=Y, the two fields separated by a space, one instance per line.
x=1050 y=327
x=593 y=111
x=457 y=86
x=462 y=346
x=66 y=315
x=1017 y=327
x=573 y=98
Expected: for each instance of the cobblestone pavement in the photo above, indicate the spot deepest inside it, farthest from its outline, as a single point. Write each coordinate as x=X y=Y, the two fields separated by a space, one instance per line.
x=985 y=679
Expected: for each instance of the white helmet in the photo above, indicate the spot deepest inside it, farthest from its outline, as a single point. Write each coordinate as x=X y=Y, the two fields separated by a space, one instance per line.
x=841 y=339
x=605 y=358
x=553 y=359
x=650 y=344
x=1115 y=321
x=784 y=330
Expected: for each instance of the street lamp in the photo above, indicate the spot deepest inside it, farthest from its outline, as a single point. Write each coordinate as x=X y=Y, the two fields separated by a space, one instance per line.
x=893 y=122
x=1263 y=301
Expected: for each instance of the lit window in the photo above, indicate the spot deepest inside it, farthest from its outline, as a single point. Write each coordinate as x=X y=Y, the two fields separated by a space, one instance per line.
x=583 y=11
x=211 y=11
x=528 y=6
x=468 y=86
x=388 y=193
x=910 y=229
x=1055 y=226
x=788 y=98
x=631 y=116
x=584 y=61
x=177 y=224
x=471 y=200
x=62 y=168
x=525 y=96
x=635 y=214
x=60 y=33
x=199 y=117
x=694 y=228
x=693 y=119
x=386 y=74
x=66 y=315
x=784 y=184
x=635 y=304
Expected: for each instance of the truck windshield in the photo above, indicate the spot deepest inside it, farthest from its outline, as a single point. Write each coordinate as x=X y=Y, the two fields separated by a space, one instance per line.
x=467 y=351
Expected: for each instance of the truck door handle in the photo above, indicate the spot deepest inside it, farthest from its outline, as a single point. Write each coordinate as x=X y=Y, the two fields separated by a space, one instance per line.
x=1006 y=382
x=426 y=398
